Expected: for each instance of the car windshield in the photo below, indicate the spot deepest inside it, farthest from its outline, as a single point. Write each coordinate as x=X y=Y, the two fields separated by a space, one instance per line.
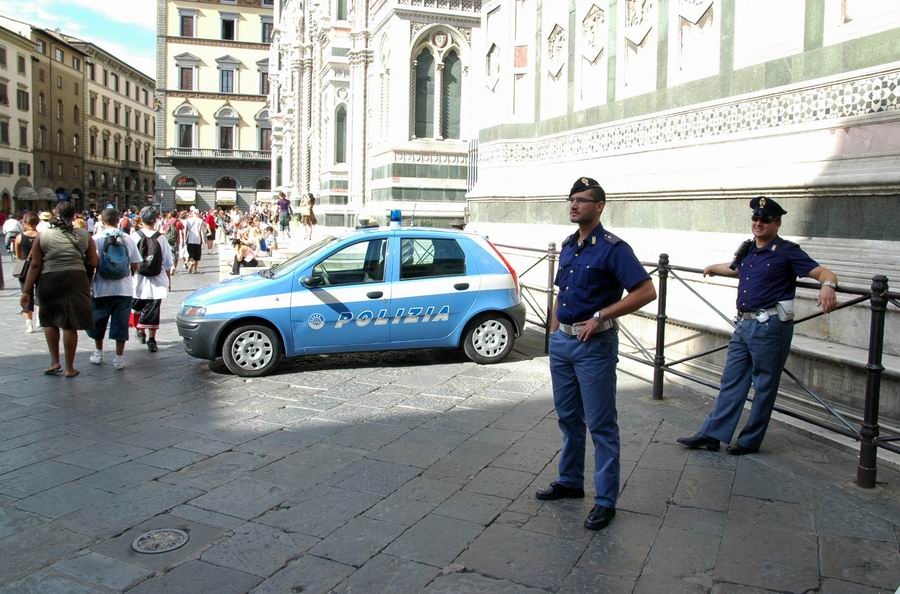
x=282 y=268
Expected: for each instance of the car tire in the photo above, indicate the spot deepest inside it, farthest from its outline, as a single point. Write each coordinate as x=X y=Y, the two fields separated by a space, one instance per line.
x=489 y=339
x=251 y=351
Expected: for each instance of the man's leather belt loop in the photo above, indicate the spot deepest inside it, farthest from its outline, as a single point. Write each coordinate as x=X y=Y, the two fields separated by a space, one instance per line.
x=575 y=329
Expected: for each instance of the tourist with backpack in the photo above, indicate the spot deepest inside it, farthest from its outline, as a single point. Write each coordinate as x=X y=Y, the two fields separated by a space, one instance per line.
x=153 y=280
x=112 y=287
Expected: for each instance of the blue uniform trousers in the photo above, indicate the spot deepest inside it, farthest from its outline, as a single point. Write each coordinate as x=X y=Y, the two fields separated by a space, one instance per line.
x=757 y=353
x=584 y=393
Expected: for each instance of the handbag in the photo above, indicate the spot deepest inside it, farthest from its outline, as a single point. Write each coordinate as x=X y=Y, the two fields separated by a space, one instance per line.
x=88 y=269
x=20 y=268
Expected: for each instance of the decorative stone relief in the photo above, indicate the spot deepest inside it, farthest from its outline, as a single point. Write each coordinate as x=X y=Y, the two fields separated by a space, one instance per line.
x=835 y=101
x=415 y=29
x=693 y=10
x=440 y=39
x=466 y=33
x=492 y=66
x=342 y=94
x=638 y=19
x=595 y=33
x=557 y=50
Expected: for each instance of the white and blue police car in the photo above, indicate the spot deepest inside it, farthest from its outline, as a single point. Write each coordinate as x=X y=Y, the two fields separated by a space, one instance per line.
x=375 y=289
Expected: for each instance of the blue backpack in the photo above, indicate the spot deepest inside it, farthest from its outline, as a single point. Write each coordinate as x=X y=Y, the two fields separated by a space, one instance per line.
x=114 y=261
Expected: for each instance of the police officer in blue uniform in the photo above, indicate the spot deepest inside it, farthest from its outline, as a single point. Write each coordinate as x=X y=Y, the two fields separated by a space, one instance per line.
x=767 y=268
x=595 y=268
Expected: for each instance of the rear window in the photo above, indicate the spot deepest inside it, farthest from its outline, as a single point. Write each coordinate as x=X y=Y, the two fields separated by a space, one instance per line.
x=427 y=258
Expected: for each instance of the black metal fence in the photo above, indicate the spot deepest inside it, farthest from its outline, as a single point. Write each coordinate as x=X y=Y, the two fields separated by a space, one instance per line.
x=538 y=294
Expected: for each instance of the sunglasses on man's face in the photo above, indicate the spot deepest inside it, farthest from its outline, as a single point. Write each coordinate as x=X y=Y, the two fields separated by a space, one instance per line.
x=580 y=201
x=763 y=220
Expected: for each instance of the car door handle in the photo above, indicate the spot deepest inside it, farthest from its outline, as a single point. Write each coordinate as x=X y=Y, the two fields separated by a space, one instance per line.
x=374 y=294
x=461 y=286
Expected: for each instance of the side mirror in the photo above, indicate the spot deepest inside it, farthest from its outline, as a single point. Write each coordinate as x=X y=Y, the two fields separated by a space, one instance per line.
x=309 y=282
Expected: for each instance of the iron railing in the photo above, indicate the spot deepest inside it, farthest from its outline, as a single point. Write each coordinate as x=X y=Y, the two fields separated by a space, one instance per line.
x=538 y=299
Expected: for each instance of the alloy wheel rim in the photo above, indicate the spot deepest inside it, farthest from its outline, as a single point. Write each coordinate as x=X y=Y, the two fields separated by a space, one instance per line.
x=490 y=339
x=252 y=350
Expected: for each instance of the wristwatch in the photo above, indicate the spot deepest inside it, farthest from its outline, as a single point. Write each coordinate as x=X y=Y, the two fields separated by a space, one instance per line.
x=598 y=315
x=829 y=283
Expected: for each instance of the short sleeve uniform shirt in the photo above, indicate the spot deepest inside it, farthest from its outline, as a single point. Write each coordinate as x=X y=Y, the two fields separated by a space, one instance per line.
x=769 y=274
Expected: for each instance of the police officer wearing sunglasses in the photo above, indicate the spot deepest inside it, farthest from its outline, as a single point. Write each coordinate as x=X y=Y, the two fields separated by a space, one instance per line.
x=595 y=269
x=767 y=267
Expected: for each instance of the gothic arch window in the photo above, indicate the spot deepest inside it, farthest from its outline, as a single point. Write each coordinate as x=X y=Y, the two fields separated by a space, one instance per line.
x=59 y=141
x=424 y=94
x=451 y=95
x=92 y=179
x=340 y=134
x=103 y=181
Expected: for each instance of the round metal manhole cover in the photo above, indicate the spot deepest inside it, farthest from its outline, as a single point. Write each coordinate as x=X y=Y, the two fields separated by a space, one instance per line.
x=160 y=541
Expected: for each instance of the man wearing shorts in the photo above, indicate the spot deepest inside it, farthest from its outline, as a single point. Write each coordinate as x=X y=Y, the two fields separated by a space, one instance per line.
x=111 y=302
x=194 y=232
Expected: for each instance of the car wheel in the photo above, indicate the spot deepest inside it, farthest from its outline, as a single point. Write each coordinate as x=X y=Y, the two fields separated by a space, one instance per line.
x=489 y=339
x=251 y=351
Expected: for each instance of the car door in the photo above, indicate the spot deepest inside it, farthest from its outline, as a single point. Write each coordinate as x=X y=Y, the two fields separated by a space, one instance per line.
x=342 y=302
x=433 y=291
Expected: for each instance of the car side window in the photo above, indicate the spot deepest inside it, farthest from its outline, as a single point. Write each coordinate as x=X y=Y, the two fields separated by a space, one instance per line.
x=361 y=262
x=427 y=258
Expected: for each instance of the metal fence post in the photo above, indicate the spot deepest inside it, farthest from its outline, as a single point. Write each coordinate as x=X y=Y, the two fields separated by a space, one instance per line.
x=868 y=450
x=551 y=270
x=659 y=360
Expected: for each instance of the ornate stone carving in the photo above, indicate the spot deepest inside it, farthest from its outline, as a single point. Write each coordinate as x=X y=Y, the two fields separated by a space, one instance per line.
x=557 y=50
x=639 y=19
x=415 y=29
x=440 y=39
x=492 y=65
x=693 y=10
x=593 y=27
x=466 y=33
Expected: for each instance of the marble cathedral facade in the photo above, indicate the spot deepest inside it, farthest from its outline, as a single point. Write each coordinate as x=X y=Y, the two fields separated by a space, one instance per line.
x=373 y=104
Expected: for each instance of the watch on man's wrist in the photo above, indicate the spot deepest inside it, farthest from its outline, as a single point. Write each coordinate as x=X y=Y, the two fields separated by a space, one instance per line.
x=598 y=315
x=829 y=283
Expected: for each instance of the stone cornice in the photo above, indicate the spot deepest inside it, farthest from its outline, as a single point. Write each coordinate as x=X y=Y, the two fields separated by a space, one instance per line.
x=217 y=42
x=207 y=95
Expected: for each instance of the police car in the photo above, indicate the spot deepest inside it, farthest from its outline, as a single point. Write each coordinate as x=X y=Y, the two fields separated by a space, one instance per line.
x=370 y=290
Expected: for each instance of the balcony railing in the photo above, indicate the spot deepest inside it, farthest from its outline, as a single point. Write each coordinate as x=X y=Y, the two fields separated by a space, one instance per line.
x=203 y=153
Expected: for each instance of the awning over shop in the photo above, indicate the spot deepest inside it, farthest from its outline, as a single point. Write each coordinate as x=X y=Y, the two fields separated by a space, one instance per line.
x=226 y=197
x=264 y=196
x=185 y=196
x=27 y=193
x=46 y=194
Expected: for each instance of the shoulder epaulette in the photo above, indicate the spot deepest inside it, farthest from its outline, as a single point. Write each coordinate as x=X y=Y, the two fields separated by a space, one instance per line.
x=610 y=238
x=568 y=239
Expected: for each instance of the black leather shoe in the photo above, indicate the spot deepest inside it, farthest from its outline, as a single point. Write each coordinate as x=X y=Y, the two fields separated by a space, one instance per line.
x=700 y=441
x=600 y=517
x=739 y=450
x=557 y=491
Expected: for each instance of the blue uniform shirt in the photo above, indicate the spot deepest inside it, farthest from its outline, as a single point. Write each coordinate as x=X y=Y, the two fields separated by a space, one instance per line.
x=594 y=274
x=769 y=274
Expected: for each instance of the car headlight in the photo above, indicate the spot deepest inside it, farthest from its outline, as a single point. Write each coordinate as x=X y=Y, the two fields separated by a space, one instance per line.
x=193 y=311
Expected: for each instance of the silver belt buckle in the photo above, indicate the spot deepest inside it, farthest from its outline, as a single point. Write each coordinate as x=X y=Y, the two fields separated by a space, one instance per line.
x=762 y=316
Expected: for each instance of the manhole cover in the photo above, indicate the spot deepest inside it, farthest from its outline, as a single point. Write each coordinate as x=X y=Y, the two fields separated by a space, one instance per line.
x=160 y=541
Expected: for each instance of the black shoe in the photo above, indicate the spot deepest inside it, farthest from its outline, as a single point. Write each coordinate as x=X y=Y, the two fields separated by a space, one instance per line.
x=142 y=336
x=151 y=345
x=557 y=491
x=739 y=450
x=600 y=517
x=699 y=441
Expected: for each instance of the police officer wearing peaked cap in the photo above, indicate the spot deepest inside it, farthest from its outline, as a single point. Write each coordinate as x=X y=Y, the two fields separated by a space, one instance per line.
x=767 y=268
x=595 y=269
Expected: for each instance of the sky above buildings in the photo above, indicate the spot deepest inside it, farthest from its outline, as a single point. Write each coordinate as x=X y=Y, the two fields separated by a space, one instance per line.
x=124 y=28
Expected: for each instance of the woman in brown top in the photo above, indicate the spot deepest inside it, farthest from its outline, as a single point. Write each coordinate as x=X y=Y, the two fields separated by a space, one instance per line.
x=308 y=216
x=58 y=259
x=24 y=241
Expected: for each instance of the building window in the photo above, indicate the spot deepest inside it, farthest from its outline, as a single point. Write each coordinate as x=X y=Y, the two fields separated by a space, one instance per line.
x=116 y=109
x=146 y=155
x=41 y=47
x=76 y=114
x=24 y=169
x=41 y=140
x=340 y=135
x=278 y=168
x=146 y=124
x=4 y=132
x=20 y=64
x=92 y=144
x=267 y=28
x=91 y=70
x=106 y=110
x=3 y=58
x=116 y=145
x=76 y=63
x=128 y=88
x=127 y=116
x=451 y=96
x=105 y=152
x=22 y=100
x=229 y=27
x=186 y=78
x=105 y=77
x=60 y=145
x=264 y=83
x=58 y=54
x=23 y=135
x=265 y=139
x=115 y=80
x=92 y=179
x=76 y=144
x=58 y=82
x=226 y=137
x=226 y=81
x=187 y=25
x=185 y=136
x=4 y=95
x=127 y=152
x=92 y=105
x=424 y=117
x=146 y=97
x=77 y=89
x=341 y=10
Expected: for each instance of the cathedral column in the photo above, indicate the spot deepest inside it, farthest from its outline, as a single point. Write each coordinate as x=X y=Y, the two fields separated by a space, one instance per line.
x=438 y=95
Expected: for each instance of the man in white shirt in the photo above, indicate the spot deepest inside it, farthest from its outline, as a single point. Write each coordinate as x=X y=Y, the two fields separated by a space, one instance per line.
x=45 y=222
x=11 y=229
x=111 y=300
x=153 y=280
x=194 y=230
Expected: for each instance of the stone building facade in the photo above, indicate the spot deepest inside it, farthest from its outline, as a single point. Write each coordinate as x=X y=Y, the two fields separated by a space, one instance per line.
x=118 y=127
x=373 y=103
x=213 y=135
x=16 y=124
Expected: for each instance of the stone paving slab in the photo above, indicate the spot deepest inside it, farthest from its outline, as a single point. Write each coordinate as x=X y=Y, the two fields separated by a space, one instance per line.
x=398 y=473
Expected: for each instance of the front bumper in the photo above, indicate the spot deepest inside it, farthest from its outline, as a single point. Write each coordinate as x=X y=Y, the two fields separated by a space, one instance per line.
x=200 y=335
x=517 y=313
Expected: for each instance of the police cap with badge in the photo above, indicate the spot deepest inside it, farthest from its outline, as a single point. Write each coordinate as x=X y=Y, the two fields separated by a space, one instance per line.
x=586 y=183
